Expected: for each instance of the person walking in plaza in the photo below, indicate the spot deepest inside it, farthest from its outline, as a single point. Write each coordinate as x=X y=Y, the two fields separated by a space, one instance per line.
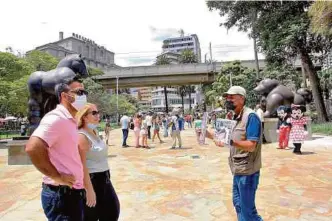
x=102 y=202
x=156 y=128
x=198 y=127
x=107 y=131
x=53 y=150
x=148 y=119
x=190 y=119
x=176 y=125
x=165 y=125
x=144 y=133
x=124 y=121
x=137 y=128
x=245 y=153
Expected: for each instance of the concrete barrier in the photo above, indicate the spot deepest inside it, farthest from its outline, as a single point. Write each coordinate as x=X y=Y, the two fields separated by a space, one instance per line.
x=17 y=154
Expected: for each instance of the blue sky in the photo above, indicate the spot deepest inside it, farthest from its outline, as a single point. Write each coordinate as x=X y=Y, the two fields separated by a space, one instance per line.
x=132 y=29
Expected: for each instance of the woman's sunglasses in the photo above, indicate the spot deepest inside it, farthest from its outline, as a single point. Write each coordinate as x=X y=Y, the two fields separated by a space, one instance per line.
x=94 y=113
x=79 y=92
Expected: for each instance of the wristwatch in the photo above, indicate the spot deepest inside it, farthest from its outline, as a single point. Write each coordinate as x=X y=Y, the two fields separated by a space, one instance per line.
x=231 y=142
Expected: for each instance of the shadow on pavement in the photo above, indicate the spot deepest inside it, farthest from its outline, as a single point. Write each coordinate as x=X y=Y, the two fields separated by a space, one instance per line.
x=317 y=137
x=307 y=153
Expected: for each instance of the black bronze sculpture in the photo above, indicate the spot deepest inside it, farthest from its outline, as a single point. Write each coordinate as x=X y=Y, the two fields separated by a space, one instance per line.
x=41 y=85
x=274 y=95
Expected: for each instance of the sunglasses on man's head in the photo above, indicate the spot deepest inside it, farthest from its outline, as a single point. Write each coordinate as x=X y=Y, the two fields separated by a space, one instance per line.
x=79 y=92
x=94 y=113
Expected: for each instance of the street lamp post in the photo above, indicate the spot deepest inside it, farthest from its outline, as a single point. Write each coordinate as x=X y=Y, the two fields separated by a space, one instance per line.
x=117 y=99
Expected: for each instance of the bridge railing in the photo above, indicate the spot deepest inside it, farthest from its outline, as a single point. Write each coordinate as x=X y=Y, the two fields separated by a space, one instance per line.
x=159 y=70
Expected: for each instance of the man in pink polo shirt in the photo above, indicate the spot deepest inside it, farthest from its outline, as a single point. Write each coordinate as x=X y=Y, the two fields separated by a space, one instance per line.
x=53 y=149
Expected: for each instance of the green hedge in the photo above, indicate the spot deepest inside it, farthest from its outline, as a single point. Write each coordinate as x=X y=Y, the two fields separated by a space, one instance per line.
x=101 y=126
x=324 y=128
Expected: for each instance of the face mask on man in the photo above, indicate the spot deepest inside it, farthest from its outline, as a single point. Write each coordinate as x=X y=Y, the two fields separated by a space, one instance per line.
x=80 y=102
x=229 y=105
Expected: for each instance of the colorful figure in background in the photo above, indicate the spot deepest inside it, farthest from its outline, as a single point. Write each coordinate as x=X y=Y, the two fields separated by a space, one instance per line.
x=284 y=126
x=198 y=127
x=298 y=131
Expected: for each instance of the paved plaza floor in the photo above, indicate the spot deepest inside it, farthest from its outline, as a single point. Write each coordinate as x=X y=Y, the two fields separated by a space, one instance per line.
x=193 y=183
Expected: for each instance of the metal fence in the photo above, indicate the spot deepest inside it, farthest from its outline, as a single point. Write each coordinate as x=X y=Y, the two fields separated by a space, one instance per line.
x=10 y=129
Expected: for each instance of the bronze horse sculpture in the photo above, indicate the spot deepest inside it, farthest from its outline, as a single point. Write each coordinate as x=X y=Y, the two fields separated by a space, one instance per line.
x=42 y=98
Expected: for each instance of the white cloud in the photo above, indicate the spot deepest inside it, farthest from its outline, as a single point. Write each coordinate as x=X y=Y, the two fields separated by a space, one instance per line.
x=121 y=26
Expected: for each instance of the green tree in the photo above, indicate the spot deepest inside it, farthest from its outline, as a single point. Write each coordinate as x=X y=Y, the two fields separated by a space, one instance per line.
x=98 y=95
x=286 y=75
x=187 y=57
x=321 y=17
x=14 y=73
x=282 y=30
x=132 y=100
x=107 y=103
x=325 y=77
x=94 y=71
x=41 y=61
x=182 y=91
x=233 y=73
x=163 y=60
x=124 y=105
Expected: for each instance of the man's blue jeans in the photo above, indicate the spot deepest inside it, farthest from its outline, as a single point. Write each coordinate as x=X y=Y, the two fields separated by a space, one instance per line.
x=244 y=191
x=124 y=136
x=63 y=203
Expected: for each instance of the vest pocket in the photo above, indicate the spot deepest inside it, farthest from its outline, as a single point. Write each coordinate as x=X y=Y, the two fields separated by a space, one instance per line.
x=242 y=162
x=241 y=159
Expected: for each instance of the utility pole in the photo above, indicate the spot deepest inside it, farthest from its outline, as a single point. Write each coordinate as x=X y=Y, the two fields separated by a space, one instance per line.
x=166 y=102
x=210 y=53
x=117 y=99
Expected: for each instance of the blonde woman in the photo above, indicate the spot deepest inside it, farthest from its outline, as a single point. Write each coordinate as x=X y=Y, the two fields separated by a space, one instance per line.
x=101 y=200
x=144 y=133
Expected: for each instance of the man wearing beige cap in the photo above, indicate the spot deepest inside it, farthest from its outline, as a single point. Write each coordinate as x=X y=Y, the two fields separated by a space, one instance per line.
x=245 y=153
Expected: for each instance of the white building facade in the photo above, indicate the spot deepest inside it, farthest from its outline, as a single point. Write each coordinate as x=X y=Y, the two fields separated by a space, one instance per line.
x=178 y=44
x=172 y=48
x=158 y=103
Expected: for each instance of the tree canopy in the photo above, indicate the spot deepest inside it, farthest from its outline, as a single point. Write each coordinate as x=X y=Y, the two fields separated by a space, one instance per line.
x=187 y=56
x=321 y=17
x=14 y=73
x=282 y=30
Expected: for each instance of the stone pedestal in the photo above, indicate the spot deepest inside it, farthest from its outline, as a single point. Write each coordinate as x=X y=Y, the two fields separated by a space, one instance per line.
x=17 y=154
x=270 y=129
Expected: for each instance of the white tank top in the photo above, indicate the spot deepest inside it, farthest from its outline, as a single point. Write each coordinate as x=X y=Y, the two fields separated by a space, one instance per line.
x=96 y=157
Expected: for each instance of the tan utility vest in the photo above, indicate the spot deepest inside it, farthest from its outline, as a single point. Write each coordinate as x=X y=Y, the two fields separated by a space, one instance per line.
x=243 y=162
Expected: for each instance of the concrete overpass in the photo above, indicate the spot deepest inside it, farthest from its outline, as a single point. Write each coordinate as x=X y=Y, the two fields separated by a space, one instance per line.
x=173 y=74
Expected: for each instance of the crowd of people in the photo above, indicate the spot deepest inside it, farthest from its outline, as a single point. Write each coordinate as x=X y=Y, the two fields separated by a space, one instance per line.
x=67 y=148
x=147 y=126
